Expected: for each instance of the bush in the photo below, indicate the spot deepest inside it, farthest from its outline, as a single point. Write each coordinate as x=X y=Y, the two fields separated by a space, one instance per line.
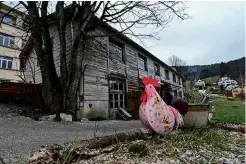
x=192 y=96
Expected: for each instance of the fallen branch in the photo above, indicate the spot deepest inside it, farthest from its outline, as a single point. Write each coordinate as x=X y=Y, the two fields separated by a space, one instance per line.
x=83 y=149
x=113 y=139
x=235 y=128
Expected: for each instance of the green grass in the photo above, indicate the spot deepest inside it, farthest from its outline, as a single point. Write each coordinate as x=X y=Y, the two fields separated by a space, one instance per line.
x=228 y=111
x=194 y=138
x=212 y=80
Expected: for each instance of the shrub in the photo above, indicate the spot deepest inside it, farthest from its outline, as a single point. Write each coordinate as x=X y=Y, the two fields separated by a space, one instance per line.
x=192 y=96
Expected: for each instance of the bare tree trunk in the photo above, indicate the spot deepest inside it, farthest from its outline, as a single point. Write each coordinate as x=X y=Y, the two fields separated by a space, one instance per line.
x=74 y=88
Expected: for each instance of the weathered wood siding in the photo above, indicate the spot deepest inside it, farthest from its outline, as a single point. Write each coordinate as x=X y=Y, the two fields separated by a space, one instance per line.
x=94 y=90
x=131 y=69
x=32 y=71
x=95 y=82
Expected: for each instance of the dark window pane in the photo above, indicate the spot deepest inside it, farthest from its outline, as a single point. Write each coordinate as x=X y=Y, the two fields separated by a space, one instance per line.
x=115 y=51
x=1 y=40
x=115 y=97
x=23 y=43
x=111 y=86
x=6 y=41
x=1 y=14
x=122 y=104
x=9 y=20
x=157 y=69
x=4 y=64
x=121 y=86
x=115 y=86
x=9 y=64
x=174 y=78
x=111 y=97
x=142 y=62
x=111 y=105
x=121 y=96
x=11 y=42
x=167 y=74
x=116 y=104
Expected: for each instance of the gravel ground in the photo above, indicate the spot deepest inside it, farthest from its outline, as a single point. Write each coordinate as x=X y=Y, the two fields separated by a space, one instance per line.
x=19 y=135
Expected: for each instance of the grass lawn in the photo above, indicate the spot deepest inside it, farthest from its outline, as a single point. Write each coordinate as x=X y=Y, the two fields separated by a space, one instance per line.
x=228 y=111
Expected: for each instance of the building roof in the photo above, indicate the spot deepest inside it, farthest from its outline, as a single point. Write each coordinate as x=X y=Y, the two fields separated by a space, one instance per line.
x=122 y=36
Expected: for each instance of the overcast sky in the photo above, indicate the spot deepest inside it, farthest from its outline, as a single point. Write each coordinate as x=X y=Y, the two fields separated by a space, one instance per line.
x=216 y=33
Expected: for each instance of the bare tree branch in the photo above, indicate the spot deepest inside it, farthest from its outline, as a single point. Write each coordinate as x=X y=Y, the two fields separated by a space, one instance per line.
x=83 y=18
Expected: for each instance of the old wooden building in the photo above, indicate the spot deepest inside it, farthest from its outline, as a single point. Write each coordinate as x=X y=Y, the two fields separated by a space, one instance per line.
x=112 y=72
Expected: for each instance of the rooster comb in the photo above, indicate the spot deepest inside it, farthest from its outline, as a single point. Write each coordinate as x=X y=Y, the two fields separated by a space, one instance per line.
x=150 y=80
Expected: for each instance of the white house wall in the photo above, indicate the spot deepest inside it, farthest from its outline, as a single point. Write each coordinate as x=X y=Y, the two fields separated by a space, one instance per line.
x=12 y=74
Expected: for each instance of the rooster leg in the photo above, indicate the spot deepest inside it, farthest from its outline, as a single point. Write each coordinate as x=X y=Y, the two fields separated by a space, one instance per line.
x=153 y=134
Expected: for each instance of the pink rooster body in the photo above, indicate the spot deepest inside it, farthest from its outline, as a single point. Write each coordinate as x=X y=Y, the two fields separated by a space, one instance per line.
x=154 y=113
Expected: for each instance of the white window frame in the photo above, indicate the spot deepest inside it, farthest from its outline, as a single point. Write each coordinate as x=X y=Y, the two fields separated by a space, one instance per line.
x=23 y=43
x=6 y=17
x=10 y=38
x=4 y=58
x=116 y=91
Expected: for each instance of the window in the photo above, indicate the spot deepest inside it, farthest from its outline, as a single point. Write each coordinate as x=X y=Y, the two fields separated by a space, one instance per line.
x=142 y=62
x=157 y=69
x=116 y=51
x=6 y=62
x=180 y=94
x=116 y=96
x=5 y=81
x=174 y=78
x=23 y=43
x=175 y=93
x=8 y=19
x=6 y=40
x=23 y=61
x=167 y=74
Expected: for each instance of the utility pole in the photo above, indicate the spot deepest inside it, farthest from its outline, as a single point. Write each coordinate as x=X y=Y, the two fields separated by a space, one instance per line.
x=241 y=79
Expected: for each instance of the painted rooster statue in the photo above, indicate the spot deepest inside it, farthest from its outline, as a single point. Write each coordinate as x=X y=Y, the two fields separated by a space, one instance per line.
x=154 y=113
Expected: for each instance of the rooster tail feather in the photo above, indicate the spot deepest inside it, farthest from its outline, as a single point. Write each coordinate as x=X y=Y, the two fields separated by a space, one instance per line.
x=178 y=117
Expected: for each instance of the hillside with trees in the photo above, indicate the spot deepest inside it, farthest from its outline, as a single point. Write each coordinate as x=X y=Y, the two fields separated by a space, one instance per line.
x=234 y=69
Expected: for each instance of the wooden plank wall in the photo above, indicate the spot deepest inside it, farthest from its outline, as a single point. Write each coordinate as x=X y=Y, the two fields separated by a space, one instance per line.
x=132 y=69
x=95 y=82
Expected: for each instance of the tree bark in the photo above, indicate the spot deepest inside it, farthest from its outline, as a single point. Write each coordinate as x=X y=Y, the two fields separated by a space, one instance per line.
x=74 y=85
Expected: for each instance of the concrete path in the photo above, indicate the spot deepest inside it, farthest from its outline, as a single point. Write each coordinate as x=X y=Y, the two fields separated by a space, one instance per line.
x=20 y=135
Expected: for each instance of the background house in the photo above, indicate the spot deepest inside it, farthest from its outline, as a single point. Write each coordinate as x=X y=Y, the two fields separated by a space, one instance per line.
x=238 y=91
x=12 y=40
x=112 y=72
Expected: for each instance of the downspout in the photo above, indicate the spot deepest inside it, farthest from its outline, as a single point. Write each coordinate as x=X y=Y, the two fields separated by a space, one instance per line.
x=107 y=53
x=126 y=85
